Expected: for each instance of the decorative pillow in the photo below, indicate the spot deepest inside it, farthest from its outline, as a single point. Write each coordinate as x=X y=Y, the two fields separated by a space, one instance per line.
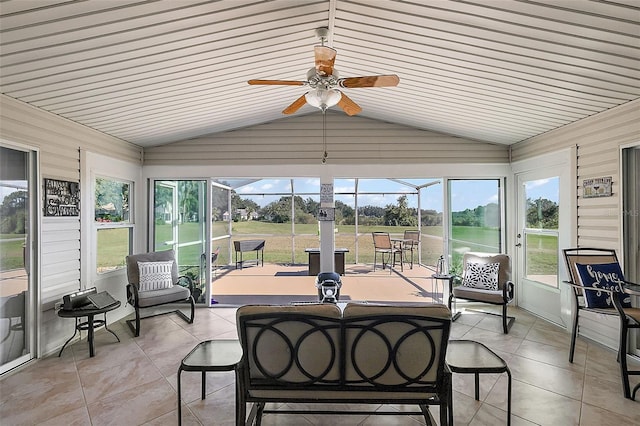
x=481 y=275
x=155 y=275
x=602 y=275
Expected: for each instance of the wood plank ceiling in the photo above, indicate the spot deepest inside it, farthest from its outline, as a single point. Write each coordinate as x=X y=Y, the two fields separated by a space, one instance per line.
x=153 y=72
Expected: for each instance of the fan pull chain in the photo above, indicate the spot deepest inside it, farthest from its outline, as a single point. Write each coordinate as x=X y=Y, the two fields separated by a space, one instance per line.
x=324 y=137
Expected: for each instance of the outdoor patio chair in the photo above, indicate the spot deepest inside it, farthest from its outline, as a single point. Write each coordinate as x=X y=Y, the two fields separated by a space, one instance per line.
x=382 y=244
x=154 y=281
x=486 y=278
x=596 y=279
x=410 y=244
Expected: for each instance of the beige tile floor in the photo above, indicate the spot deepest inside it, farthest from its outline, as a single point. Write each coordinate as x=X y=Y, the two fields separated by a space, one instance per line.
x=134 y=382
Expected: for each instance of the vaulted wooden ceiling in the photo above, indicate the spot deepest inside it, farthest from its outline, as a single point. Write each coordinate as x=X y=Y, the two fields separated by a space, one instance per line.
x=154 y=72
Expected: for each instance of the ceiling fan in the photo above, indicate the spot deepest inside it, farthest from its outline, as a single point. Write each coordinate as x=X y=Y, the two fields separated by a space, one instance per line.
x=324 y=82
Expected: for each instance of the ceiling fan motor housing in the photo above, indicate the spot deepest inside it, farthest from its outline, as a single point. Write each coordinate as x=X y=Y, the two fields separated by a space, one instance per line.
x=315 y=80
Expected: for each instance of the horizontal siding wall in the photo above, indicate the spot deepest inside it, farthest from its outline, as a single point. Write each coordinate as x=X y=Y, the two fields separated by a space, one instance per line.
x=597 y=140
x=350 y=140
x=599 y=220
x=59 y=142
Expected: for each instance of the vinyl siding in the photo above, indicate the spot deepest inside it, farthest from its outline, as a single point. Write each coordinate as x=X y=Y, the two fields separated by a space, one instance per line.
x=350 y=140
x=59 y=142
x=598 y=140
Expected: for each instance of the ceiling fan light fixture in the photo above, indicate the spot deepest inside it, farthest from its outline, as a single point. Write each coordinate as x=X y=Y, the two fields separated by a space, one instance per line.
x=323 y=98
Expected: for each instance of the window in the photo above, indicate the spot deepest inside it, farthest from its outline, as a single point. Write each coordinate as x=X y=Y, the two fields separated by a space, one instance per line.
x=474 y=219
x=542 y=198
x=114 y=227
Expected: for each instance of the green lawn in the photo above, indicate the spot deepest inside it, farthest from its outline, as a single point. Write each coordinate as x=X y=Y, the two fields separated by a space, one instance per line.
x=542 y=249
x=11 y=251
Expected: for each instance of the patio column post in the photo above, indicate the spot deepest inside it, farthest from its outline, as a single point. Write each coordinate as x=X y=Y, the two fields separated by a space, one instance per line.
x=327 y=236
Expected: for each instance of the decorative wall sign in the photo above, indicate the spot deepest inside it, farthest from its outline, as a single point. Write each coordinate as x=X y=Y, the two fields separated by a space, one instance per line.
x=596 y=187
x=326 y=214
x=61 y=198
x=326 y=193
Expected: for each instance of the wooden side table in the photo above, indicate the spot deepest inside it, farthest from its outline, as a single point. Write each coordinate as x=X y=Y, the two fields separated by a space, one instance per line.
x=210 y=355
x=468 y=356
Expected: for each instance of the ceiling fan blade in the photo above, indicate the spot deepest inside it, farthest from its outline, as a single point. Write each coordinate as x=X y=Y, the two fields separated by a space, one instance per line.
x=348 y=106
x=296 y=105
x=370 y=81
x=278 y=82
x=325 y=58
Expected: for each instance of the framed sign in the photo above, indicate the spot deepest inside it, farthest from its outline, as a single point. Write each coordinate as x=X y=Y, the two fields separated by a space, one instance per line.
x=326 y=214
x=596 y=187
x=326 y=193
x=61 y=198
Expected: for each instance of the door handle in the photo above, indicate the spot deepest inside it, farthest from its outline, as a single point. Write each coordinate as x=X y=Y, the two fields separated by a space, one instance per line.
x=519 y=245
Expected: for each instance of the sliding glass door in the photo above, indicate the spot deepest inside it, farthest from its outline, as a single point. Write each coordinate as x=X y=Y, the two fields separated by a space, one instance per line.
x=179 y=224
x=18 y=195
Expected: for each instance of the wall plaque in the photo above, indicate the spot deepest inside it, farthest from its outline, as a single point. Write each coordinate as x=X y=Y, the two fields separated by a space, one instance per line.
x=326 y=214
x=326 y=193
x=61 y=198
x=596 y=187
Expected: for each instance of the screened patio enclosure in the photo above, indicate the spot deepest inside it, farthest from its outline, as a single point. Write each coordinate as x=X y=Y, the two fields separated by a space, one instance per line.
x=283 y=212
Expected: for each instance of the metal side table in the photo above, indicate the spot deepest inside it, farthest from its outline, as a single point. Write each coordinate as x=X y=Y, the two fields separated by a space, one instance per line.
x=467 y=356
x=90 y=324
x=210 y=355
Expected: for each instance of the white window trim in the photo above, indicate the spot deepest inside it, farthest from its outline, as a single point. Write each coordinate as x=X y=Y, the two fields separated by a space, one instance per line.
x=96 y=165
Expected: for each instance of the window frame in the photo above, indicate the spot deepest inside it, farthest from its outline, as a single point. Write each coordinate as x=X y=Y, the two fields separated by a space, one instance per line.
x=100 y=226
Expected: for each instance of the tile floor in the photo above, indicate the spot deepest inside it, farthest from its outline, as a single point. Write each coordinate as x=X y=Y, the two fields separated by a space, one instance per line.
x=134 y=382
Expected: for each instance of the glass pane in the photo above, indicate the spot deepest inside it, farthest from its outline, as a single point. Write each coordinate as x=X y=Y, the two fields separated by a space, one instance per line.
x=474 y=207
x=179 y=212
x=220 y=211
x=542 y=198
x=112 y=201
x=307 y=186
x=431 y=240
x=14 y=258
x=345 y=224
x=164 y=206
x=114 y=245
x=541 y=258
x=541 y=230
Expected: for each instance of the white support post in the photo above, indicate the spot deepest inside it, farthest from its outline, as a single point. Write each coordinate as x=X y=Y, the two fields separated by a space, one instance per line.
x=327 y=236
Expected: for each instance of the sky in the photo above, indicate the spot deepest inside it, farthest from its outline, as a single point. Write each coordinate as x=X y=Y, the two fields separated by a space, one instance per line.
x=465 y=194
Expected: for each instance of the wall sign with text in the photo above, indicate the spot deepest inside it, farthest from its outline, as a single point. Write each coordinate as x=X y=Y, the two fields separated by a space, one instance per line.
x=597 y=187
x=61 y=198
x=326 y=193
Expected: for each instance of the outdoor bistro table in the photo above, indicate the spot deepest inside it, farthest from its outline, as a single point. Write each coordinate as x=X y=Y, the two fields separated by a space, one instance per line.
x=210 y=355
x=467 y=356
